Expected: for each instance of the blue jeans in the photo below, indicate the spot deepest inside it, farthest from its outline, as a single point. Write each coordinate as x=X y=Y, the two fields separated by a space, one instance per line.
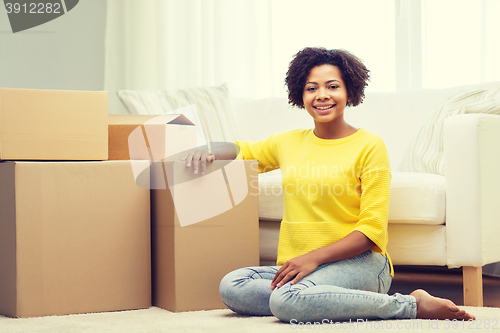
x=354 y=288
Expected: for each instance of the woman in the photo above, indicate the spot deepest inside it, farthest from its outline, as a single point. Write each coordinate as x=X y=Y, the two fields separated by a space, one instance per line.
x=332 y=259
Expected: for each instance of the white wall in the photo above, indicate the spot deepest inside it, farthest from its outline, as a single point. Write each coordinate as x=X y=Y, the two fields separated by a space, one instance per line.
x=66 y=53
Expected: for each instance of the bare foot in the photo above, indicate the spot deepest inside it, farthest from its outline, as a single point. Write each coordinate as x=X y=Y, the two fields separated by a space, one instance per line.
x=430 y=307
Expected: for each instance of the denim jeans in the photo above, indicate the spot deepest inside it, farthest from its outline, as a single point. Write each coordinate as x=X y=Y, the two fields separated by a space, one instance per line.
x=354 y=288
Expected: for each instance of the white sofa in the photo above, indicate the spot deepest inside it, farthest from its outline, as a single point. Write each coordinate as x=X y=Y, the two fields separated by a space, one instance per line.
x=451 y=220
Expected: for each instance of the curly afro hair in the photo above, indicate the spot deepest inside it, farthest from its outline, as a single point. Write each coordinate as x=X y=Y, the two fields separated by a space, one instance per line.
x=354 y=73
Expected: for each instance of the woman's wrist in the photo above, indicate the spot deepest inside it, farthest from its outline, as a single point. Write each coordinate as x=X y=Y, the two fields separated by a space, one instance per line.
x=224 y=151
x=350 y=246
x=316 y=256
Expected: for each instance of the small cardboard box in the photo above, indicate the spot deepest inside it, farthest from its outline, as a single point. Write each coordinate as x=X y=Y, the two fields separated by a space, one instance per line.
x=203 y=227
x=53 y=125
x=142 y=137
x=74 y=238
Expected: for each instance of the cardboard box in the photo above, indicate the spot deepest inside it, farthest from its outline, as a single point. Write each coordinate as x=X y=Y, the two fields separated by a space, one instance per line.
x=53 y=125
x=141 y=137
x=190 y=261
x=74 y=238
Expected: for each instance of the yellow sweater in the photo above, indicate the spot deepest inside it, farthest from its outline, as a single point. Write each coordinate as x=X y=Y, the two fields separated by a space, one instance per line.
x=330 y=187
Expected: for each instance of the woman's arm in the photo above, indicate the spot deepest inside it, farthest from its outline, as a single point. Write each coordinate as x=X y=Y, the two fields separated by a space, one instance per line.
x=350 y=246
x=265 y=151
x=221 y=151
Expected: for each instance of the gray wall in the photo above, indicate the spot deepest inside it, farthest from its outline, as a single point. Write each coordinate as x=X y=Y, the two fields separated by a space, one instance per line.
x=66 y=53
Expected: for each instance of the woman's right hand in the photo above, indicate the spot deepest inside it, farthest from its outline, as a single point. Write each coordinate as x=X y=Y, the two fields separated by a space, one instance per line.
x=198 y=160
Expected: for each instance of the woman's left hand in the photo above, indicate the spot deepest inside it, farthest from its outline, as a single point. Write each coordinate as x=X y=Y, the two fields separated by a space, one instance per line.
x=295 y=268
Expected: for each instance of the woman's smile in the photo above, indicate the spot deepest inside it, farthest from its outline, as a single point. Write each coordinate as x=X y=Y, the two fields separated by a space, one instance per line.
x=324 y=109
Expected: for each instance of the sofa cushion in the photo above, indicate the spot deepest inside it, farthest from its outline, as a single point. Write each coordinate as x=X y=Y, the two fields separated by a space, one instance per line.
x=417 y=244
x=426 y=151
x=215 y=110
x=270 y=196
x=213 y=114
x=154 y=102
x=416 y=198
x=260 y=118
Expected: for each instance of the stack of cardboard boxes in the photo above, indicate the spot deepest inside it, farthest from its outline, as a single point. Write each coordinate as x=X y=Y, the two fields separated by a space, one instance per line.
x=81 y=232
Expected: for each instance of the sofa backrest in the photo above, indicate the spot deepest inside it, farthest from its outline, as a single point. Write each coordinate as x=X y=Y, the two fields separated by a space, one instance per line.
x=394 y=116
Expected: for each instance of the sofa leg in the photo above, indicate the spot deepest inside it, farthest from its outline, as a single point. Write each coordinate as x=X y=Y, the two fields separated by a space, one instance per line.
x=473 y=286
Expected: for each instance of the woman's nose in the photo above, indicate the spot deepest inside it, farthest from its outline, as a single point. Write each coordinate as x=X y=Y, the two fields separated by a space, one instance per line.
x=322 y=94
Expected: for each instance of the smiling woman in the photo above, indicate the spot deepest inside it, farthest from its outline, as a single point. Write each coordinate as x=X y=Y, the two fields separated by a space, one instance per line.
x=332 y=254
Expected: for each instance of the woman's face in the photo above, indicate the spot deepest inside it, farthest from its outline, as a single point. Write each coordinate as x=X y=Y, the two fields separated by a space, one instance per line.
x=325 y=95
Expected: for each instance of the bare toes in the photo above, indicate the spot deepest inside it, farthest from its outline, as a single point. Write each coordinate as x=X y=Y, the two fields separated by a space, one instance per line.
x=430 y=307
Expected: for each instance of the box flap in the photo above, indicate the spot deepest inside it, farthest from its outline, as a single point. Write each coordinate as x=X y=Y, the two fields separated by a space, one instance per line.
x=180 y=119
x=149 y=137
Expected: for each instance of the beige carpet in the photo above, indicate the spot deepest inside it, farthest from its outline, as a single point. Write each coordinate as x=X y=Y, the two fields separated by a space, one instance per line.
x=224 y=321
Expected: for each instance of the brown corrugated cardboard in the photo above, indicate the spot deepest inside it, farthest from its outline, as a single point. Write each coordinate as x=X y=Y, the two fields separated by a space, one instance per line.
x=142 y=137
x=74 y=238
x=53 y=125
x=190 y=261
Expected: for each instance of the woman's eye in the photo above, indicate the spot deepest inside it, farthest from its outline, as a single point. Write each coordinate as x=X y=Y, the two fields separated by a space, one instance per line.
x=311 y=89
x=333 y=87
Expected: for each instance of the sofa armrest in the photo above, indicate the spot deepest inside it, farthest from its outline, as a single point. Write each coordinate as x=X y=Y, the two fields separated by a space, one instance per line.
x=472 y=159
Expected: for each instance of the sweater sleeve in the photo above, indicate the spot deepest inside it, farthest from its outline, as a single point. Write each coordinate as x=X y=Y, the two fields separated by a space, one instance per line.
x=265 y=151
x=375 y=179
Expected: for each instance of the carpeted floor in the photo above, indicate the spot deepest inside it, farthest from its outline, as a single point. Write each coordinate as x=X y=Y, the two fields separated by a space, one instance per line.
x=224 y=321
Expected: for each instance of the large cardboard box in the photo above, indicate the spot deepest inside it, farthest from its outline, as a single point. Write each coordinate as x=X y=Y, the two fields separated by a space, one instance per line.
x=74 y=238
x=203 y=227
x=142 y=137
x=53 y=125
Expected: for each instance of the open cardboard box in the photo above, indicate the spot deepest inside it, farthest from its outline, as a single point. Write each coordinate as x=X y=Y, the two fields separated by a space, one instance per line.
x=153 y=138
x=53 y=124
x=74 y=238
x=203 y=227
